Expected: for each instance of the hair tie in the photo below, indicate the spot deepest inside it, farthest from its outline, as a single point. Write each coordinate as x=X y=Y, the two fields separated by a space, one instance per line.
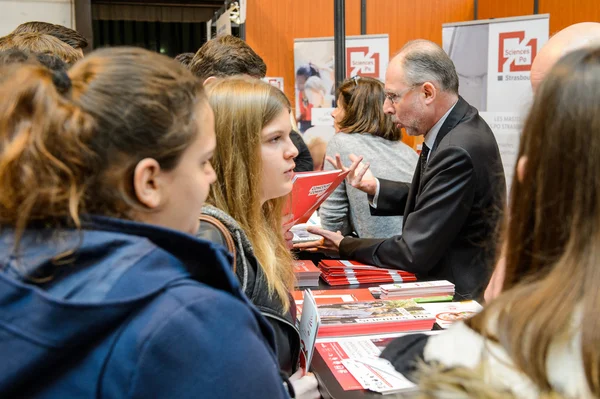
x=61 y=81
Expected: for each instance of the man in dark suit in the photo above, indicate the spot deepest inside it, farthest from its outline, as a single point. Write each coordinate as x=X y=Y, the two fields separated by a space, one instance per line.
x=452 y=207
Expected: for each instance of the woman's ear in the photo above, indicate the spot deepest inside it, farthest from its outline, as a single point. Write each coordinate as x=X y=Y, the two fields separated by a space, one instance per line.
x=146 y=184
x=521 y=168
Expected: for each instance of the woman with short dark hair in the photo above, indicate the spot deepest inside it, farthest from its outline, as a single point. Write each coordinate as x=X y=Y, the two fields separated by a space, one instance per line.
x=365 y=129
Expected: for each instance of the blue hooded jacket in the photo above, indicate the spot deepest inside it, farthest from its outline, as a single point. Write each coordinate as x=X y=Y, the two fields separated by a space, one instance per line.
x=133 y=311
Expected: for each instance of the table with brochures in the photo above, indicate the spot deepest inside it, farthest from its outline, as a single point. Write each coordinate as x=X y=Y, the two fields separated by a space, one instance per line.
x=346 y=363
x=329 y=387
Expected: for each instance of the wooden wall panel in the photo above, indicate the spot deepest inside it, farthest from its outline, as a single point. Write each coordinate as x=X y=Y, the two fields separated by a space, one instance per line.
x=272 y=26
x=406 y=20
x=501 y=9
x=564 y=13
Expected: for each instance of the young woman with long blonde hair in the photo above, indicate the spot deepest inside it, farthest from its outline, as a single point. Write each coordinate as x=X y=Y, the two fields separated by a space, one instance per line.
x=254 y=166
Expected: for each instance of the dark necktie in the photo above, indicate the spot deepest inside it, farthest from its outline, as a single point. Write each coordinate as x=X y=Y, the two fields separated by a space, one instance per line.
x=423 y=160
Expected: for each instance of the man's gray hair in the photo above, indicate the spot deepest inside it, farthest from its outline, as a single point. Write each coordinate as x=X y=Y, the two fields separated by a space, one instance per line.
x=424 y=61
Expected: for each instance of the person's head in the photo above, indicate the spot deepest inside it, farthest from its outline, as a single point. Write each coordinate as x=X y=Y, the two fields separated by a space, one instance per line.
x=53 y=63
x=315 y=90
x=569 y=39
x=16 y=56
x=303 y=73
x=227 y=56
x=360 y=109
x=254 y=165
x=421 y=84
x=185 y=59
x=553 y=224
x=62 y=33
x=41 y=43
x=131 y=139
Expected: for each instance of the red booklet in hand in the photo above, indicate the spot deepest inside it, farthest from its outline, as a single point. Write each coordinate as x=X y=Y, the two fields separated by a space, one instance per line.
x=310 y=190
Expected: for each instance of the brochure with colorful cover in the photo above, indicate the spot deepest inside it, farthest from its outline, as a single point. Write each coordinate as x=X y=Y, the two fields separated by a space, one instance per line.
x=309 y=328
x=448 y=313
x=373 y=317
x=324 y=297
x=310 y=190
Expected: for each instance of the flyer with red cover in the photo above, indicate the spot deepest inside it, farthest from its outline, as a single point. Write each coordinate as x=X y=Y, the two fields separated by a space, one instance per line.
x=310 y=190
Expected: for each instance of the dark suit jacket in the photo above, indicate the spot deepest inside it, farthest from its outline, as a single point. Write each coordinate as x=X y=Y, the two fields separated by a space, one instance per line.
x=450 y=217
x=304 y=161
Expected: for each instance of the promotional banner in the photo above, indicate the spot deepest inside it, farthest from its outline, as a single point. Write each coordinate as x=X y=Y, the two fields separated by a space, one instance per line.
x=274 y=81
x=498 y=84
x=314 y=67
x=512 y=48
x=507 y=130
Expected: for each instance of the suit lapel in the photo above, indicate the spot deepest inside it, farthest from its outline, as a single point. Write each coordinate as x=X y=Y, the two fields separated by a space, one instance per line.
x=458 y=113
x=460 y=110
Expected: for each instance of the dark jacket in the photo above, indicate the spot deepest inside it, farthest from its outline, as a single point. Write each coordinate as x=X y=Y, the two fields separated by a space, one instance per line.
x=135 y=311
x=304 y=161
x=254 y=284
x=450 y=218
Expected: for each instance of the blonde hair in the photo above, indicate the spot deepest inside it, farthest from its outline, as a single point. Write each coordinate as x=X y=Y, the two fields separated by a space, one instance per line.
x=243 y=107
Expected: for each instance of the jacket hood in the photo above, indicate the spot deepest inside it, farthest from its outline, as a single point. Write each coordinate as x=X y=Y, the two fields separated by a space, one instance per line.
x=64 y=284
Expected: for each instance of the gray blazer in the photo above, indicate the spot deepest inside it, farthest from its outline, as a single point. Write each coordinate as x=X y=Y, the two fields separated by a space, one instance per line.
x=347 y=209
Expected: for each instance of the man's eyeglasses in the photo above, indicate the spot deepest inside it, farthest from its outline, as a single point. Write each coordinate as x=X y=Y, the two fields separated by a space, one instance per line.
x=395 y=97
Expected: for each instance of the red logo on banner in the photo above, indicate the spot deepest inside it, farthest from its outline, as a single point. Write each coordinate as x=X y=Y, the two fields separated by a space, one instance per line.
x=359 y=61
x=520 y=54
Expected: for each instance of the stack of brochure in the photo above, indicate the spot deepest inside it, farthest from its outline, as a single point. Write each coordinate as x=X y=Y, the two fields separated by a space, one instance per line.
x=373 y=317
x=345 y=272
x=424 y=289
x=307 y=274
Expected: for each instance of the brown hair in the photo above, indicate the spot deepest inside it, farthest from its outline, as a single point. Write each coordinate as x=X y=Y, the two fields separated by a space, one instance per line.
x=41 y=43
x=243 y=107
x=227 y=56
x=62 y=33
x=185 y=59
x=66 y=155
x=362 y=100
x=553 y=227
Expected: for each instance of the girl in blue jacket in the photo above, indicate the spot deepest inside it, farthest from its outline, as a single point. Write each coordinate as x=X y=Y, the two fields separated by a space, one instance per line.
x=104 y=292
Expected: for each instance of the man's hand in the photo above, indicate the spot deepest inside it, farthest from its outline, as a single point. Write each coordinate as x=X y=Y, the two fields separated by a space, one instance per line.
x=286 y=225
x=330 y=245
x=359 y=176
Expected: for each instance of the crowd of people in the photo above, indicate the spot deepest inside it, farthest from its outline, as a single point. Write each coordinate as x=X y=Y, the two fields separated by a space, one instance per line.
x=145 y=250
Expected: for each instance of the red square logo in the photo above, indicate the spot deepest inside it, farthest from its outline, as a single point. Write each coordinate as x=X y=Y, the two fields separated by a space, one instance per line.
x=513 y=49
x=359 y=61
